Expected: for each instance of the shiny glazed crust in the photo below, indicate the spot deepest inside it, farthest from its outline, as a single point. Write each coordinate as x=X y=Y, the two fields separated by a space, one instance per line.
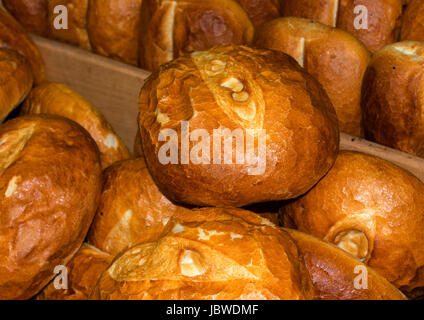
x=55 y=98
x=250 y=90
x=372 y=209
x=129 y=204
x=50 y=184
x=13 y=36
x=84 y=270
x=15 y=80
x=334 y=57
x=113 y=28
x=335 y=273
x=209 y=253
x=172 y=28
x=393 y=97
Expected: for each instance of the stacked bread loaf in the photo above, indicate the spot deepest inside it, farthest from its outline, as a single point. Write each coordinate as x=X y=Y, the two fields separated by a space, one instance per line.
x=223 y=130
x=151 y=32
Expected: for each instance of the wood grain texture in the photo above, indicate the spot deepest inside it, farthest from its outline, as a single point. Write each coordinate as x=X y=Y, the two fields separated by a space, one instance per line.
x=113 y=87
x=409 y=162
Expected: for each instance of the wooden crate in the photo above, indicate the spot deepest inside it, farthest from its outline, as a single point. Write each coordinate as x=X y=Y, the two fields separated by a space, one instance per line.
x=114 y=87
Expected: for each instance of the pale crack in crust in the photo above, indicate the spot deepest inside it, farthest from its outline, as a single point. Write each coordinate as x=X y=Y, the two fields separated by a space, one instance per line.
x=233 y=87
x=11 y=145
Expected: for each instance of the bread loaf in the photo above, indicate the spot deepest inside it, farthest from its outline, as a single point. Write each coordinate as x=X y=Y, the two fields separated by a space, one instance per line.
x=31 y=14
x=169 y=29
x=50 y=183
x=261 y=96
x=83 y=271
x=384 y=18
x=336 y=275
x=129 y=204
x=55 y=98
x=210 y=253
x=76 y=31
x=113 y=28
x=393 y=97
x=324 y=11
x=15 y=80
x=374 y=22
x=13 y=36
x=412 y=22
x=261 y=11
x=334 y=57
x=371 y=209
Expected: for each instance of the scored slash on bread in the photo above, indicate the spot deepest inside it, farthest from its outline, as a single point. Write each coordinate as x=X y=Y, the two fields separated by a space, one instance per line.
x=281 y=101
x=372 y=209
x=209 y=253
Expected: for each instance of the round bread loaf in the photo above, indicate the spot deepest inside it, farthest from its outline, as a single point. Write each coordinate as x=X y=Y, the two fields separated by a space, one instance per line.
x=371 y=209
x=31 y=14
x=261 y=11
x=334 y=57
x=374 y=22
x=76 y=31
x=171 y=28
x=130 y=203
x=13 y=36
x=15 y=80
x=50 y=184
x=393 y=97
x=337 y=275
x=82 y=274
x=55 y=98
x=113 y=28
x=384 y=18
x=197 y=110
x=412 y=22
x=210 y=253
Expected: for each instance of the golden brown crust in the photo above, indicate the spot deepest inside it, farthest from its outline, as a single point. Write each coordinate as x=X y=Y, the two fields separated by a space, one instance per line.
x=209 y=253
x=383 y=21
x=55 y=98
x=334 y=57
x=324 y=11
x=50 y=183
x=130 y=203
x=113 y=28
x=413 y=22
x=261 y=11
x=76 y=33
x=15 y=80
x=138 y=147
x=371 y=208
x=273 y=217
x=281 y=98
x=334 y=273
x=383 y=17
x=84 y=270
x=171 y=28
x=393 y=97
x=13 y=36
x=31 y=14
